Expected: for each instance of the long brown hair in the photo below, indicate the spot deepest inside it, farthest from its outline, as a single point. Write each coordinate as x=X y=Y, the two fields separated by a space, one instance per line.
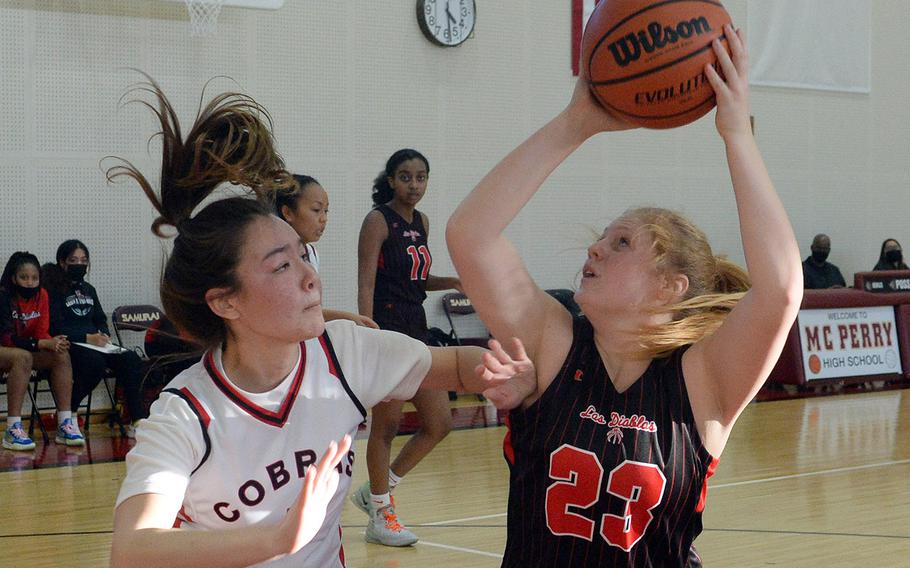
x=715 y=283
x=230 y=141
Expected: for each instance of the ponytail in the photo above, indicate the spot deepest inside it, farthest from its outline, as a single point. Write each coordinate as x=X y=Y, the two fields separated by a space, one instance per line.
x=382 y=190
x=231 y=142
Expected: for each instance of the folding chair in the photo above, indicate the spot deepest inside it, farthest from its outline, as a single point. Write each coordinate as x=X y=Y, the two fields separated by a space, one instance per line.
x=139 y=318
x=158 y=331
x=469 y=329
x=459 y=309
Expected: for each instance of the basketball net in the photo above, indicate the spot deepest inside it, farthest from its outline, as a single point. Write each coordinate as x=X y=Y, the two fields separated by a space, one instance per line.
x=203 y=16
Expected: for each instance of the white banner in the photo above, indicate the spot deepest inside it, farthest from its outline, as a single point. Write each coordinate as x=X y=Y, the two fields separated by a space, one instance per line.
x=849 y=342
x=810 y=44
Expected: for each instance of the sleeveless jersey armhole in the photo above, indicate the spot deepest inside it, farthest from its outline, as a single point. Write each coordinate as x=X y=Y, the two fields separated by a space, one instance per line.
x=201 y=415
x=676 y=361
x=335 y=369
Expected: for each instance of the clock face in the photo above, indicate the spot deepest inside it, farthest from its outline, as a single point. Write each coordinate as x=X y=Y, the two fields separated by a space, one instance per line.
x=446 y=22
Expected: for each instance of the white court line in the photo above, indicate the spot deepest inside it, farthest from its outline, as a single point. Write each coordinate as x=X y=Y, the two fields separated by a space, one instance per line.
x=460 y=549
x=807 y=474
x=453 y=521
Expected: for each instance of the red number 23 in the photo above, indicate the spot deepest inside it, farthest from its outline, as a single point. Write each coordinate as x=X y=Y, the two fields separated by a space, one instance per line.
x=579 y=475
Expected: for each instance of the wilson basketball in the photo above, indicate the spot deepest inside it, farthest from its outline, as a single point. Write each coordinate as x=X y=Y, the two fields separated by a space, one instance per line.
x=645 y=59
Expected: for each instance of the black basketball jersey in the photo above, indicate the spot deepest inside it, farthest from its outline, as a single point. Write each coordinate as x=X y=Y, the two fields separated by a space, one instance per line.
x=601 y=478
x=404 y=261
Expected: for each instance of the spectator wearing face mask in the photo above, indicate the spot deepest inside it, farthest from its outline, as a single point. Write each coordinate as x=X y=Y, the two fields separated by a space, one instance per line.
x=818 y=273
x=76 y=312
x=891 y=257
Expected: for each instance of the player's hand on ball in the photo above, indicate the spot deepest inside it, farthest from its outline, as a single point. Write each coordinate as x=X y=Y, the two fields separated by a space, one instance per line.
x=306 y=516
x=590 y=116
x=512 y=379
x=731 y=91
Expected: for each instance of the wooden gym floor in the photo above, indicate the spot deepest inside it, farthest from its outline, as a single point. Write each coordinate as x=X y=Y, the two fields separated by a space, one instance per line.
x=810 y=482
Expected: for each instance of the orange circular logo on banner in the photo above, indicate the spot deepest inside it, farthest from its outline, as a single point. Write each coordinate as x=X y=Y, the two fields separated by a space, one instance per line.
x=815 y=364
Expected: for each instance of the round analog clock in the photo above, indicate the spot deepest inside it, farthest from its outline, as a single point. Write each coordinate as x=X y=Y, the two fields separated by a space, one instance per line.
x=446 y=22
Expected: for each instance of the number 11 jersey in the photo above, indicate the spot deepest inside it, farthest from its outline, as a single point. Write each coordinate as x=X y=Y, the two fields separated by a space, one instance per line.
x=404 y=261
x=603 y=478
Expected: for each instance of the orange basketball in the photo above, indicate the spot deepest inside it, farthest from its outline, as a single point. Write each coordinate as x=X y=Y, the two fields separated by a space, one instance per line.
x=645 y=59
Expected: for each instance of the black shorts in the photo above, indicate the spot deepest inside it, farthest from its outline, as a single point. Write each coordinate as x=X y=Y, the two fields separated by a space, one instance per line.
x=409 y=319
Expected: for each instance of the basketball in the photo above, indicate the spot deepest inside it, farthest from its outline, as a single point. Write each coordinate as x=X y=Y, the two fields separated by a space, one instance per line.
x=645 y=59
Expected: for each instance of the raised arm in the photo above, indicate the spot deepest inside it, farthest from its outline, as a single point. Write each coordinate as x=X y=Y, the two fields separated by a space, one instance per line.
x=728 y=367
x=491 y=271
x=373 y=233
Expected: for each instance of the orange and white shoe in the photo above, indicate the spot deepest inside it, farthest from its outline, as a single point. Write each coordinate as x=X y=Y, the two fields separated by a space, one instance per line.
x=385 y=528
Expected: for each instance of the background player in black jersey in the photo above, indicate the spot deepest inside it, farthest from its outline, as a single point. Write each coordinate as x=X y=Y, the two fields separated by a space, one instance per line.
x=609 y=458
x=393 y=278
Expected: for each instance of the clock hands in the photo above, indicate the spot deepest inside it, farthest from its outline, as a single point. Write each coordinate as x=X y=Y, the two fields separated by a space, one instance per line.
x=450 y=19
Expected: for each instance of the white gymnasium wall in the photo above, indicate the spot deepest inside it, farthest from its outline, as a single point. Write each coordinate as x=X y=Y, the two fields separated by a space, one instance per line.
x=348 y=83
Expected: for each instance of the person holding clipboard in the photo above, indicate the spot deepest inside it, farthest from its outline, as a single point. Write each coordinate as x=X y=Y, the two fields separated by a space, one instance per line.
x=76 y=312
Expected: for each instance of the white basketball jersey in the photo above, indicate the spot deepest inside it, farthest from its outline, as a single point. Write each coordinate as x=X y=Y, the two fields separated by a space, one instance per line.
x=313 y=256
x=232 y=462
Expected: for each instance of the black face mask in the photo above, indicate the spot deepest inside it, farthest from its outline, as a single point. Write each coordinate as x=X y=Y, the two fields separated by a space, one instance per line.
x=894 y=256
x=76 y=272
x=820 y=256
x=27 y=293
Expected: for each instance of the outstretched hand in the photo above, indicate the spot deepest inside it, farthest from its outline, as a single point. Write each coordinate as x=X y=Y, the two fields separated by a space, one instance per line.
x=731 y=91
x=305 y=517
x=513 y=379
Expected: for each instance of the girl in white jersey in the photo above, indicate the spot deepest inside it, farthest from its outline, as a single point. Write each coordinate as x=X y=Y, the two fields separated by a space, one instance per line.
x=222 y=472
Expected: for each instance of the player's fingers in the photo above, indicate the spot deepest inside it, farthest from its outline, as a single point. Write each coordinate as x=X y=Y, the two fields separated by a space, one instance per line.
x=741 y=57
x=734 y=42
x=723 y=59
x=492 y=363
x=501 y=355
x=518 y=348
x=309 y=483
x=720 y=88
x=329 y=459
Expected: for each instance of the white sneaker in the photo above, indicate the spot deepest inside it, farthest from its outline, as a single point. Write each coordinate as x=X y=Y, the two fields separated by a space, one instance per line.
x=384 y=528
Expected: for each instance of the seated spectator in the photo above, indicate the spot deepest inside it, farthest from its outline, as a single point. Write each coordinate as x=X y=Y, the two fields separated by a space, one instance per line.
x=26 y=344
x=77 y=313
x=817 y=271
x=891 y=256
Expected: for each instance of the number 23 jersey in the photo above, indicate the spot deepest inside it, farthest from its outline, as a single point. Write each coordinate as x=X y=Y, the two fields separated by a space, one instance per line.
x=602 y=478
